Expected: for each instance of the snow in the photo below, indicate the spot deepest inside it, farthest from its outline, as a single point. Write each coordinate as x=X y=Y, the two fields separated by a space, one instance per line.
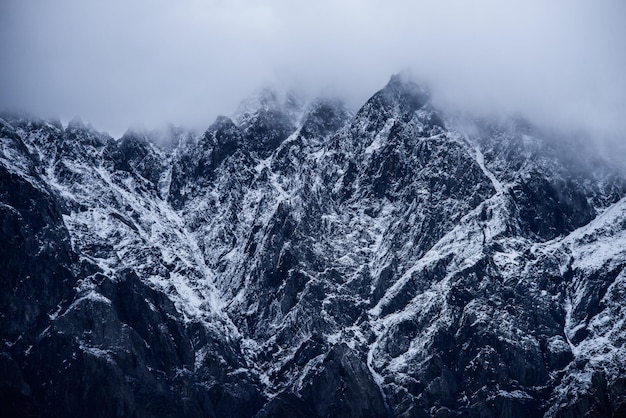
x=379 y=139
x=15 y=161
x=602 y=241
x=515 y=394
x=378 y=378
x=97 y=352
x=480 y=160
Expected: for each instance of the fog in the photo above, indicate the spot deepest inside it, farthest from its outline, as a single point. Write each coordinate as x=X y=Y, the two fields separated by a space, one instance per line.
x=137 y=62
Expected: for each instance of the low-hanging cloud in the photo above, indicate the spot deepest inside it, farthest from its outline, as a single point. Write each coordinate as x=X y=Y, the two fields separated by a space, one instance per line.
x=120 y=63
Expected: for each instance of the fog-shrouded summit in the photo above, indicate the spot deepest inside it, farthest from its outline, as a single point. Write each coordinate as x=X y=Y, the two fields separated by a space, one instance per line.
x=303 y=259
x=119 y=64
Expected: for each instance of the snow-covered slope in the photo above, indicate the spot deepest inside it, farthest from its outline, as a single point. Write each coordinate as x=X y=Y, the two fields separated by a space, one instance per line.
x=302 y=259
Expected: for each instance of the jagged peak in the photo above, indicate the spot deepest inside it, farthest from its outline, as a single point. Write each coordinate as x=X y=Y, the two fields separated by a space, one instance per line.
x=222 y=131
x=76 y=123
x=165 y=138
x=331 y=102
x=402 y=99
x=221 y=122
x=406 y=81
x=21 y=118
x=403 y=90
x=133 y=134
x=86 y=133
x=325 y=116
x=270 y=99
x=401 y=95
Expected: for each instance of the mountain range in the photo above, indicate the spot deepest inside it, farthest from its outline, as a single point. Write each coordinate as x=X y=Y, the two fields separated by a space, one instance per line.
x=302 y=259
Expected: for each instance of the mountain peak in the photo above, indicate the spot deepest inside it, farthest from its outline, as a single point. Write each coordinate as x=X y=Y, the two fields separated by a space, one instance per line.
x=324 y=117
x=76 y=123
x=269 y=99
x=403 y=90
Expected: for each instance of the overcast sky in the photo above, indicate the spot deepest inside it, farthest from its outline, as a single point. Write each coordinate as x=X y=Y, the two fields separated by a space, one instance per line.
x=118 y=63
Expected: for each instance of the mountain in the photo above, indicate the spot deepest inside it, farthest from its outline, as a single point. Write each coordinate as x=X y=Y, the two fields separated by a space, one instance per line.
x=302 y=259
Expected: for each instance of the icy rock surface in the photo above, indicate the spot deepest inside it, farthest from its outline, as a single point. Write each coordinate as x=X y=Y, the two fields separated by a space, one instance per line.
x=301 y=259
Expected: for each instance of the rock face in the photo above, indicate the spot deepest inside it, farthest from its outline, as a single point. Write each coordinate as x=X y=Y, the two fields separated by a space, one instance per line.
x=304 y=260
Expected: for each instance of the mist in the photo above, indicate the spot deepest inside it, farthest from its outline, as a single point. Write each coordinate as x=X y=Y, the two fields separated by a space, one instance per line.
x=127 y=63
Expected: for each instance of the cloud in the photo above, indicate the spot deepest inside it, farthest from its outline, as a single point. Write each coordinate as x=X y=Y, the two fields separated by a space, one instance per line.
x=119 y=63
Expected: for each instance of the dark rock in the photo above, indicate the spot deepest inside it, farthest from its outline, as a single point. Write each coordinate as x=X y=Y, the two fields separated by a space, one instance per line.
x=343 y=387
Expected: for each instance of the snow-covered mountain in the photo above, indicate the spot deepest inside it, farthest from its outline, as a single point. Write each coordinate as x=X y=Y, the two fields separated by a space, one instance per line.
x=304 y=260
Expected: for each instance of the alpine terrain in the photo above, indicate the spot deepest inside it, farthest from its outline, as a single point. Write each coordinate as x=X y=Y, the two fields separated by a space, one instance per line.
x=303 y=260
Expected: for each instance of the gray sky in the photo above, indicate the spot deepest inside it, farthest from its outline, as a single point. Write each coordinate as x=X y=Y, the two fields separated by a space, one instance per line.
x=118 y=63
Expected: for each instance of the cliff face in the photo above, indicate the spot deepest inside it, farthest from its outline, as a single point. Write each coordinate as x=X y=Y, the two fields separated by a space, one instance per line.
x=302 y=260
